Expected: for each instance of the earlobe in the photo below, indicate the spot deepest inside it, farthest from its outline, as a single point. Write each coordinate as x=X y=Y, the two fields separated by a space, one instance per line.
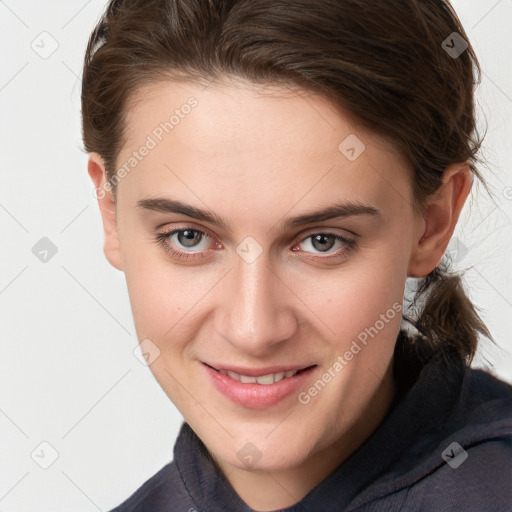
x=108 y=209
x=440 y=218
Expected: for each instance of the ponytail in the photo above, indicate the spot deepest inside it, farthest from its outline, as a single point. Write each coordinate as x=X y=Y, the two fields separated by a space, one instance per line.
x=447 y=322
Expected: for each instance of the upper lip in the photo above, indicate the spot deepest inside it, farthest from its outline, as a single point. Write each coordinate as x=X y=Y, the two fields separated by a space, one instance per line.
x=258 y=372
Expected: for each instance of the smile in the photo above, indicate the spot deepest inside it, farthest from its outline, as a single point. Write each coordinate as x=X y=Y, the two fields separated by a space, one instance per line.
x=263 y=389
x=264 y=379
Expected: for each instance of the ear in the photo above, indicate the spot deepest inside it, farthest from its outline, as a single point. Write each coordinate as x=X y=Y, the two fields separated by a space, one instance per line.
x=106 y=202
x=440 y=217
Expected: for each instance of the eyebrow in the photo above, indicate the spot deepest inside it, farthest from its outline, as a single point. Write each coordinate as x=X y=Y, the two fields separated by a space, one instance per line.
x=336 y=211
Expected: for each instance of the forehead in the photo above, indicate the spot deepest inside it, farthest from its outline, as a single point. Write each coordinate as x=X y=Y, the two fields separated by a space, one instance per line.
x=260 y=140
x=302 y=120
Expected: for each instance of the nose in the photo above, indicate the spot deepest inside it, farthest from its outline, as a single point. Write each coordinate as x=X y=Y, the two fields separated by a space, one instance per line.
x=257 y=310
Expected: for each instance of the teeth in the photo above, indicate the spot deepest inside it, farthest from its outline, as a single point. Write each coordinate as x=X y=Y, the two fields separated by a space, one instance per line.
x=247 y=380
x=278 y=376
x=263 y=379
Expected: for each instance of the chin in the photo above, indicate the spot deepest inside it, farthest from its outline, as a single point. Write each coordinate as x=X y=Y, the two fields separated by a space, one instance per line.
x=260 y=454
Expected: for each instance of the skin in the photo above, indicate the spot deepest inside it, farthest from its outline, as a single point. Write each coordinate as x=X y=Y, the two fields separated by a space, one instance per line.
x=255 y=157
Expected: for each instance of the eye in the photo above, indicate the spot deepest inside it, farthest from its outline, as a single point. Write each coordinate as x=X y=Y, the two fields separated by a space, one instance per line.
x=323 y=243
x=184 y=243
x=188 y=238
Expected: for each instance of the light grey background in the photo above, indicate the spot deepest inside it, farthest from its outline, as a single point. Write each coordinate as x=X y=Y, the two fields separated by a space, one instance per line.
x=68 y=373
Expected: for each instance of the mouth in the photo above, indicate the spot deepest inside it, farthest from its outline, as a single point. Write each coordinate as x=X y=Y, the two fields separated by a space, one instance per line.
x=259 y=388
x=265 y=376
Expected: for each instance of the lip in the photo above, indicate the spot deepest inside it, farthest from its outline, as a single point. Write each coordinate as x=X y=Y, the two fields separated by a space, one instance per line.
x=254 y=395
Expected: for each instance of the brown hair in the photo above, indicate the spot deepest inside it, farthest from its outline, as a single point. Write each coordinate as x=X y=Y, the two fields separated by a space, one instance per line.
x=386 y=63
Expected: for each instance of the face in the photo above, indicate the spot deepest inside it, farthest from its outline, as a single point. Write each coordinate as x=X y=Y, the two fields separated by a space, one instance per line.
x=261 y=232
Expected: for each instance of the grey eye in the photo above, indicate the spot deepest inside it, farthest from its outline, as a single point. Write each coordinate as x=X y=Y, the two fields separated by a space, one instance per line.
x=188 y=237
x=322 y=242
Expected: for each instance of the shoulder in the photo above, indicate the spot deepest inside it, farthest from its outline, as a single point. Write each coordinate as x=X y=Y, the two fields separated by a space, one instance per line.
x=484 y=405
x=476 y=477
x=471 y=467
x=162 y=490
x=461 y=458
x=485 y=383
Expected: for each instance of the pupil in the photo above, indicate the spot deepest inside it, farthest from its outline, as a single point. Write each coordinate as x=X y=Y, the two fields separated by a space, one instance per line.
x=323 y=240
x=188 y=238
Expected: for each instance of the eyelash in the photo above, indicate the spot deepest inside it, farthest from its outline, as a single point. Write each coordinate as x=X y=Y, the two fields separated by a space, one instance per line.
x=161 y=239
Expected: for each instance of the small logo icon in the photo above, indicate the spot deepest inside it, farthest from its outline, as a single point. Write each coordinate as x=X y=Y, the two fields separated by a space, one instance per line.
x=454 y=455
x=44 y=250
x=249 y=454
x=44 y=455
x=352 y=147
x=146 y=352
x=455 y=45
x=249 y=250
x=45 y=45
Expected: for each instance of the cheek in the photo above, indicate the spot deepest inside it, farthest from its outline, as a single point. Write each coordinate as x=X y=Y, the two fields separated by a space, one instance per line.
x=359 y=298
x=157 y=299
x=167 y=299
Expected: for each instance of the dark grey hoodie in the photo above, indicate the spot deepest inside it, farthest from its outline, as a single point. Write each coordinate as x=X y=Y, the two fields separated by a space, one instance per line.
x=445 y=445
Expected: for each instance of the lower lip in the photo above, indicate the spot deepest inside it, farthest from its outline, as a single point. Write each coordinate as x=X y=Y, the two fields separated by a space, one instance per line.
x=258 y=396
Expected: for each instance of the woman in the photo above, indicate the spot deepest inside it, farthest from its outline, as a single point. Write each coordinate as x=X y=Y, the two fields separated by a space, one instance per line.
x=269 y=174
